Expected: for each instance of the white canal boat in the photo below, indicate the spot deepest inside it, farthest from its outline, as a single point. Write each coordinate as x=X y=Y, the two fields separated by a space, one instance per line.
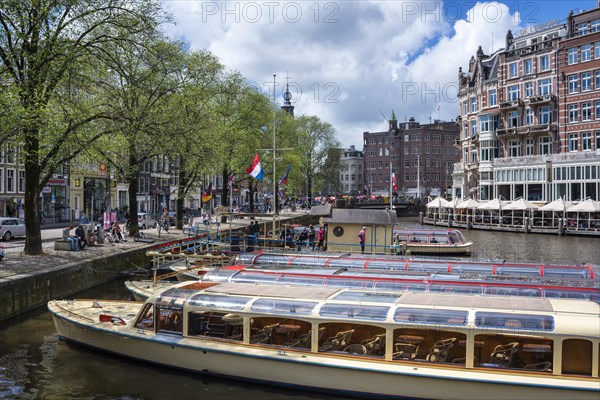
x=410 y=345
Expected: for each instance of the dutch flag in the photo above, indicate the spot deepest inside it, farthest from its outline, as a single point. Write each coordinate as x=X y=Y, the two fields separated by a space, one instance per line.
x=255 y=170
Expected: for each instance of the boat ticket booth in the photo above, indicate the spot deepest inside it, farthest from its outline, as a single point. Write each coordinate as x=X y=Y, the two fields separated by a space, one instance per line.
x=343 y=226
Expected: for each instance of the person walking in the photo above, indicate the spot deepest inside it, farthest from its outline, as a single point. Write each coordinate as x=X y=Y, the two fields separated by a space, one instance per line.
x=362 y=234
x=320 y=237
x=311 y=237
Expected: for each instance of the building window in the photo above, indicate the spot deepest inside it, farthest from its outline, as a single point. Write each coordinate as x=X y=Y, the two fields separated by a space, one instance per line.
x=586 y=52
x=514 y=119
x=597 y=79
x=10 y=180
x=406 y=163
x=21 y=181
x=545 y=62
x=545 y=145
x=573 y=113
x=544 y=115
x=473 y=124
x=529 y=116
x=406 y=151
x=597 y=50
x=492 y=97
x=513 y=148
x=528 y=67
x=586 y=141
x=473 y=104
x=545 y=87
x=529 y=89
x=513 y=92
x=597 y=134
x=488 y=123
x=586 y=81
x=573 y=82
x=583 y=28
x=572 y=55
x=513 y=70
x=586 y=111
x=529 y=147
x=415 y=150
x=596 y=25
x=465 y=107
x=1 y=180
x=573 y=139
x=597 y=109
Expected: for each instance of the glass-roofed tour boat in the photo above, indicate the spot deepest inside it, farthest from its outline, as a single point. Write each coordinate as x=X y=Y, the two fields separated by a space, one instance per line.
x=363 y=343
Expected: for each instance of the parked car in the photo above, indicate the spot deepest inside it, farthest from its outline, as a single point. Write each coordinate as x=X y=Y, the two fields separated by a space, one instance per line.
x=146 y=220
x=11 y=227
x=172 y=215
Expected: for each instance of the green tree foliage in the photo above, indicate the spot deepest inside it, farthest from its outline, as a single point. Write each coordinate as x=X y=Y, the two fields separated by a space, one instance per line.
x=41 y=41
x=314 y=140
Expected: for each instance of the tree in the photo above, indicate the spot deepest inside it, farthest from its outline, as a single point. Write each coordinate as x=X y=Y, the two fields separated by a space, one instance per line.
x=144 y=79
x=314 y=140
x=40 y=42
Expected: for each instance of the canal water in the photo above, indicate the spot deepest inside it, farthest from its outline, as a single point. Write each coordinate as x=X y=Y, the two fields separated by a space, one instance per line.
x=34 y=364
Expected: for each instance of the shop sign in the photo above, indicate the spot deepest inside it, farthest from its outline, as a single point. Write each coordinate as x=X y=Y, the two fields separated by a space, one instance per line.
x=47 y=189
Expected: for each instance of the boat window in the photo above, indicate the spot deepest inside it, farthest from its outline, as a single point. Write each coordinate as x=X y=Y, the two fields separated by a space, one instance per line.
x=514 y=321
x=429 y=267
x=401 y=286
x=427 y=316
x=429 y=345
x=170 y=320
x=371 y=313
x=287 y=332
x=358 y=340
x=309 y=262
x=283 y=306
x=527 y=353
x=385 y=264
x=518 y=270
x=350 y=283
x=274 y=259
x=457 y=289
x=219 y=275
x=173 y=298
x=512 y=291
x=216 y=324
x=474 y=268
x=226 y=302
x=572 y=294
x=562 y=272
x=347 y=263
x=301 y=280
x=374 y=297
x=146 y=319
x=254 y=277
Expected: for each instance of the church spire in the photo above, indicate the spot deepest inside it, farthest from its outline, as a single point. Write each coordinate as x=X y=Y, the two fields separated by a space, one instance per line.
x=287 y=96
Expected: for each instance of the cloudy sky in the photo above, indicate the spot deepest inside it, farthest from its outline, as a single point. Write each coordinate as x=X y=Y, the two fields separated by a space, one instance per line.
x=349 y=62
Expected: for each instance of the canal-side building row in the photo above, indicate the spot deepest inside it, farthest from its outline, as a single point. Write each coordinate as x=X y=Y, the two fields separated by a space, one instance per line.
x=419 y=156
x=530 y=115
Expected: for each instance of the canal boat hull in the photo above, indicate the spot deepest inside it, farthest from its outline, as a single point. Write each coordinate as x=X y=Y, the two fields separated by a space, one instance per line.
x=80 y=322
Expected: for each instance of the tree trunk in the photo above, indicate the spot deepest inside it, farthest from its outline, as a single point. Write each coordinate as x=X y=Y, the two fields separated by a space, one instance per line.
x=182 y=184
x=132 y=180
x=33 y=239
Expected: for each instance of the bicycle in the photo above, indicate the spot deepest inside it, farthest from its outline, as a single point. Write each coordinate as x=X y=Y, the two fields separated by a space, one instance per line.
x=162 y=224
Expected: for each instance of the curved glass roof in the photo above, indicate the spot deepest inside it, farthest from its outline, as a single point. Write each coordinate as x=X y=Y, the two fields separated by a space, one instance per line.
x=428 y=316
x=486 y=319
x=354 y=311
x=225 y=302
x=283 y=306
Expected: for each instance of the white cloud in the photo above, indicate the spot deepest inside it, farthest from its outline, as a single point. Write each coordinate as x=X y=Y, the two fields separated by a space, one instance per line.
x=351 y=60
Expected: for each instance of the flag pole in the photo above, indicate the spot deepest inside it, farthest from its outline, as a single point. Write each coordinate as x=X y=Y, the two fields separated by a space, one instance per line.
x=274 y=205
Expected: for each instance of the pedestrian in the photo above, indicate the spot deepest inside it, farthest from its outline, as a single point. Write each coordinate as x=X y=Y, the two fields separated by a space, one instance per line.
x=362 y=234
x=320 y=237
x=80 y=233
x=71 y=239
x=311 y=237
x=256 y=233
x=2 y=254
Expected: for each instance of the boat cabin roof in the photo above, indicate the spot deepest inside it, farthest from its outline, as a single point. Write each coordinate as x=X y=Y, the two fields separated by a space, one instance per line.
x=246 y=289
x=475 y=302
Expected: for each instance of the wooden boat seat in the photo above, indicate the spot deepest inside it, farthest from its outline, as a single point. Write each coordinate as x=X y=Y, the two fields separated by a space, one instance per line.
x=441 y=348
x=375 y=345
x=264 y=335
x=503 y=354
x=406 y=351
x=303 y=341
x=337 y=342
x=356 y=348
x=545 y=366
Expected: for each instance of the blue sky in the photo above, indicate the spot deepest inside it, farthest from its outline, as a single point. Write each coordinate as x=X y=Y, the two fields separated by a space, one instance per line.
x=350 y=61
